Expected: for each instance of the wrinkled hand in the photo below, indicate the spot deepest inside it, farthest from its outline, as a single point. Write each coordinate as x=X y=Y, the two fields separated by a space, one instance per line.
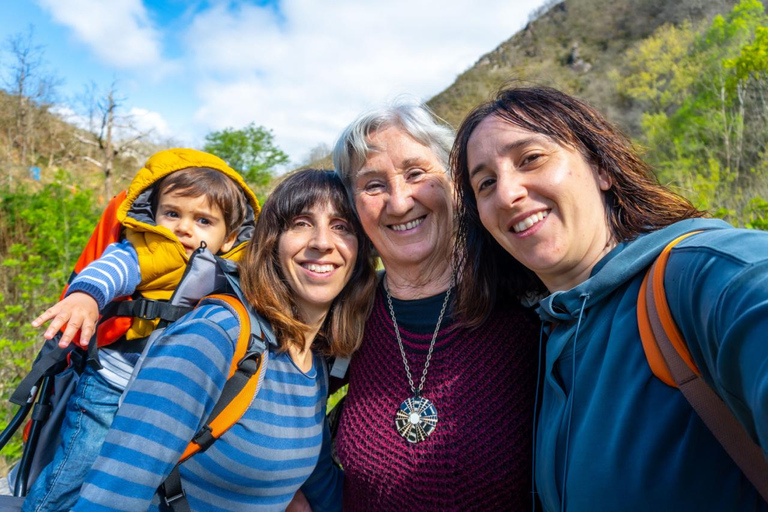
x=299 y=503
x=78 y=311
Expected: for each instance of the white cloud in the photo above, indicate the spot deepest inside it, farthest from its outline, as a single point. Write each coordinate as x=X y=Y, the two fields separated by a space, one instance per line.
x=70 y=116
x=306 y=71
x=147 y=121
x=119 y=32
x=137 y=121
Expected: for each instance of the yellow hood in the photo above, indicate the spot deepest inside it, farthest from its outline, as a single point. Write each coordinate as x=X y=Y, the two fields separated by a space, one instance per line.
x=162 y=258
x=162 y=164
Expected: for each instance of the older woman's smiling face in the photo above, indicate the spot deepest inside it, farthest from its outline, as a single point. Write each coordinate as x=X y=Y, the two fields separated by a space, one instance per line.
x=404 y=200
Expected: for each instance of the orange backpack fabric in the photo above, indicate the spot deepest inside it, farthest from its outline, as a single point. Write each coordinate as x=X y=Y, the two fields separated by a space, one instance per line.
x=107 y=232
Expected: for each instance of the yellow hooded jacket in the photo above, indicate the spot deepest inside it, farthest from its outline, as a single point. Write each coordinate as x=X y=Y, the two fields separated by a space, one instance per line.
x=162 y=258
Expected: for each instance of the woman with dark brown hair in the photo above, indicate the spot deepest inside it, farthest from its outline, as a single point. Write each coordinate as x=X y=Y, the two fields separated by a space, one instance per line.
x=556 y=205
x=309 y=275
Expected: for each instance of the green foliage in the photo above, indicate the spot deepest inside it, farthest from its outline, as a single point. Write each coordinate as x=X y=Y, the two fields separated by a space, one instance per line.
x=757 y=214
x=706 y=117
x=43 y=233
x=251 y=151
x=336 y=397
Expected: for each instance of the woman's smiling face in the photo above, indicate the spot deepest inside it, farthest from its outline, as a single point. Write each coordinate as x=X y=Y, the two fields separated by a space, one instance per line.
x=404 y=200
x=542 y=202
x=317 y=254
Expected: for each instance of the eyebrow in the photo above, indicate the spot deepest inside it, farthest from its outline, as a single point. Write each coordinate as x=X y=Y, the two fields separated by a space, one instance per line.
x=413 y=162
x=512 y=146
x=408 y=162
x=366 y=171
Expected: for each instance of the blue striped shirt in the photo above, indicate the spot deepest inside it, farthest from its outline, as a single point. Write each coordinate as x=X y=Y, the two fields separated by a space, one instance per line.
x=281 y=444
x=115 y=274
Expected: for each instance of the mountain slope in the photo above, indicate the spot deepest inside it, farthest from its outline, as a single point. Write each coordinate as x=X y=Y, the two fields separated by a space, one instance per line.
x=573 y=46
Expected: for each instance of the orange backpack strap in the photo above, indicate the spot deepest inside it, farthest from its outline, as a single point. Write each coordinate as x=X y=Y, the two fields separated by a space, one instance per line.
x=246 y=374
x=671 y=361
x=652 y=308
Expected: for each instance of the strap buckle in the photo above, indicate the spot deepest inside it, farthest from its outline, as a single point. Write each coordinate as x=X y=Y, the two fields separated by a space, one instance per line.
x=170 y=500
x=147 y=309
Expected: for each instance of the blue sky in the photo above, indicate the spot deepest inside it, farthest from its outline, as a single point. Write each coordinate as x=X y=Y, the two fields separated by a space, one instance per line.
x=302 y=68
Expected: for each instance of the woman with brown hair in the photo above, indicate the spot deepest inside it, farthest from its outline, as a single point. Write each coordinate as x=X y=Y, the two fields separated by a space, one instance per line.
x=309 y=275
x=555 y=203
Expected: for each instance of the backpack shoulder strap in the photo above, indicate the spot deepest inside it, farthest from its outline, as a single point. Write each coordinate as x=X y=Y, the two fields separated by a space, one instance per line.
x=671 y=361
x=246 y=375
x=653 y=311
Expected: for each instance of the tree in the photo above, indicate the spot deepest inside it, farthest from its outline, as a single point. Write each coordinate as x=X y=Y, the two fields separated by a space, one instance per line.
x=251 y=151
x=114 y=134
x=31 y=89
x=706 y=118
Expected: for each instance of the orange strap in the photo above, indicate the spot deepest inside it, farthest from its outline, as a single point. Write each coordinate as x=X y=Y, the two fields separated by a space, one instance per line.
x=106 y=232
x=652 y=352
x=235 y=409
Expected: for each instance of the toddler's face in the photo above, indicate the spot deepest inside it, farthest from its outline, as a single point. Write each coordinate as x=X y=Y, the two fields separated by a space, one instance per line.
x=193 y=220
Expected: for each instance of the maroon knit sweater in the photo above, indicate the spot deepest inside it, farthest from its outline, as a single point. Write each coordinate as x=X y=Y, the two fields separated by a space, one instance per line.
x=482 y=383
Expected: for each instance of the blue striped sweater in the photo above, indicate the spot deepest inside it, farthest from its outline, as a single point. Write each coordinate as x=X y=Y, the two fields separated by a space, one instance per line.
x=280 y=445
x=115 y=274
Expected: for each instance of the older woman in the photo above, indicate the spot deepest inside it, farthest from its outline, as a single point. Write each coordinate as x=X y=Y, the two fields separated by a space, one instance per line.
x=438 y=415
x=570 y=204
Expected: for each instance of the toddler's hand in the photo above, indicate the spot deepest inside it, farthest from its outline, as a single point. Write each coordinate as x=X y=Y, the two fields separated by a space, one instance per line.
x=78 y=311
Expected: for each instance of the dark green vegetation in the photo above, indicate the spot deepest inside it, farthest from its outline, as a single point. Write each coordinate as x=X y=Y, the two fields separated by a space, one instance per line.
x=251 y=151
x=688 y=80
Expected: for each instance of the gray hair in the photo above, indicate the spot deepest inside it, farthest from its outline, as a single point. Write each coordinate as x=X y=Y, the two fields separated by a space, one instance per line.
x=417 y=120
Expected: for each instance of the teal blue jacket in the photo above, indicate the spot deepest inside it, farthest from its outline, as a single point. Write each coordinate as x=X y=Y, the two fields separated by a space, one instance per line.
x=619 y=438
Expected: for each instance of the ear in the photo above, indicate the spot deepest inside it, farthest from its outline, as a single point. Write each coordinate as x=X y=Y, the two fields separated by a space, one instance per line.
x=604 y=180
x=229 y=242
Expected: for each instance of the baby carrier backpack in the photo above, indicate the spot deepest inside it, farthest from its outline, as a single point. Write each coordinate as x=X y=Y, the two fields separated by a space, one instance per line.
x=671 y=361
x=55 y=371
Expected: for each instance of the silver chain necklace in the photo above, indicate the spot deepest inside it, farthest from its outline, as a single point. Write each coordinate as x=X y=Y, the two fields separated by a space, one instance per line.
x=416 y=418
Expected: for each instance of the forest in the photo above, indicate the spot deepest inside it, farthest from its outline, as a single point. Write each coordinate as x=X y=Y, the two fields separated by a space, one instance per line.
x=692 y=92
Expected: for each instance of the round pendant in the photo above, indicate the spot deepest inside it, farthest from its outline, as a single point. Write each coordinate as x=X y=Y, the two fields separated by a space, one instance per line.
x=416 y=419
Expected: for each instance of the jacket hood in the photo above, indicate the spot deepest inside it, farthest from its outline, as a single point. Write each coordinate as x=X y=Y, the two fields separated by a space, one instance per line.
x=620 y=265
x=136 y=210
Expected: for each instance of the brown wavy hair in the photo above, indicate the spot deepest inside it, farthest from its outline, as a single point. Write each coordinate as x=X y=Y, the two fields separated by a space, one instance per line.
x=636 y=203
x=263 y=282
x=220 y=190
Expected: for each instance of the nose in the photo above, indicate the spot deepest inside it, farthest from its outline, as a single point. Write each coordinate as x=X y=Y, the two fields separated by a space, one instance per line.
x=510 y=189
x=400 y=199
x=182 y=227
x=321 y=239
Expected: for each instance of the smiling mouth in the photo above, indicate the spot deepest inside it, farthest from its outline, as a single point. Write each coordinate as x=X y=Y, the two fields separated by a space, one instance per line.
x=318 y=268
x=407 y=225
x=528 y=222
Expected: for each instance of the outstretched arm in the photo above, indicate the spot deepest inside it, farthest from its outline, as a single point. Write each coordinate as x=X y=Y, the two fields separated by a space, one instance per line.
x=717 y=287
x=115 y=274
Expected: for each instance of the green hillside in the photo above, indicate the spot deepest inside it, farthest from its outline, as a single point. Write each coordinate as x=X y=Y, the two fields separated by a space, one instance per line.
x=574 y=46
x=687 y=80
